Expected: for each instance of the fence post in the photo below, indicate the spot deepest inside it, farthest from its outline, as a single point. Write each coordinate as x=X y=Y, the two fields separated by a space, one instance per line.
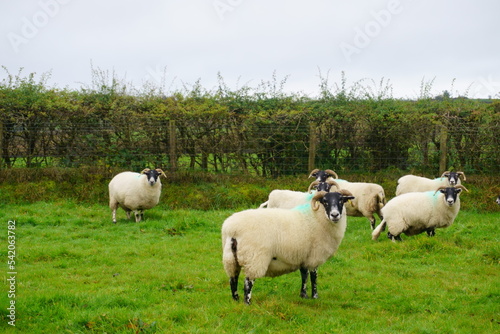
x=172 y=145
x=443 y=147
x=312 y=146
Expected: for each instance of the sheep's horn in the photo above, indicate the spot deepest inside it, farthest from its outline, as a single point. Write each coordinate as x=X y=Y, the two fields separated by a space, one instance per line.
x=447 y=172
x=161 y=172
x=314 y=183
x=438 y=189
x=331 y=172
x=314 y=202
x=145 y=170
x=345 y=192
x=333 y=183
x=462 y=187
x=313 y=171
x=463 y=174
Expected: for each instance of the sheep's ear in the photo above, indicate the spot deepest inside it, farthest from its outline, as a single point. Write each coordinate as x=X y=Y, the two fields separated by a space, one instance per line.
x=314 y=172
x=347 y=198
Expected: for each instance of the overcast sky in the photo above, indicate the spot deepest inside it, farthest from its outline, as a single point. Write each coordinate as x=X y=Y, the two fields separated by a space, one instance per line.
x=454 y=44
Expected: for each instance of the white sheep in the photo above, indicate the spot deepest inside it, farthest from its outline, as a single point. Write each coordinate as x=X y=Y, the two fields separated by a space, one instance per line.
x=413 y=183
x=135 y=192
x=369 y=197
x=274 y=241
x=288 y=199
x=418 y=212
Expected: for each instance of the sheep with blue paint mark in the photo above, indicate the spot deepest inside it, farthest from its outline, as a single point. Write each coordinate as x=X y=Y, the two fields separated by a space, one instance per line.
x=274 y=241
x=135 y=192
x=418 y=212
x=413 y=183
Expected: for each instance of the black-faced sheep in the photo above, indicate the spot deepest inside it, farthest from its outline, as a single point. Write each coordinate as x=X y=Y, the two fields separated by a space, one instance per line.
x=498 y=200
x=135 y=192
x=413 y=183
x=418 y=212
x=274 y=241
x=288 y=199
x=369 y=197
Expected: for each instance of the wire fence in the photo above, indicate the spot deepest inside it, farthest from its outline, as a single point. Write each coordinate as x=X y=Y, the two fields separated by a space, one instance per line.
x=257 y=147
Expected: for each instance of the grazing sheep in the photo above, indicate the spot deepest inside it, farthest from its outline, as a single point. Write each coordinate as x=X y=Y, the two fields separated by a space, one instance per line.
x=370 y=197
x=273 y=242
x=412 y=183
x=418 y=212
x=135 y=192
x=288 y=199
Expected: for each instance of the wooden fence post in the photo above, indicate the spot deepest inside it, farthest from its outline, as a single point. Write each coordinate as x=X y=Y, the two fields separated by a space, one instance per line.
x=172 y=145
x=312 y=146
x=443 y=147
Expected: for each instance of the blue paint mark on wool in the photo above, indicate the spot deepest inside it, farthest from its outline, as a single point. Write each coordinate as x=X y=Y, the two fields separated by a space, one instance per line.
x=306 y=207
x=433 y=195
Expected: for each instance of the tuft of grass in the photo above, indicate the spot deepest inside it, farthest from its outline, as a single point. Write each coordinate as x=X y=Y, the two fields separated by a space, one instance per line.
x=80 y=273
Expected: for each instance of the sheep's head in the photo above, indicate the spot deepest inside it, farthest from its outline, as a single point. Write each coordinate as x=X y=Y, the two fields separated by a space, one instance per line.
x=333 y=202
x=322 y=175
x=322 y=186
x=152 y=175
x=451 y=193
x=498 y=200
x=453 y=177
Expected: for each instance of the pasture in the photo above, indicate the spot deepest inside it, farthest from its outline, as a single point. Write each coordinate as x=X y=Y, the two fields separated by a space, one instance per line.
x=79 y=273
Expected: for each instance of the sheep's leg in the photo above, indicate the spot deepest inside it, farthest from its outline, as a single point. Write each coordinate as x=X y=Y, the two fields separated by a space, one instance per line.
x=372 y=222
x=233 y=282
x=304 y=273
x=394 y=238
x=114 y=216
x=431 y=232
x=138 y=215
x=248 y=289
x=314 y=284
x=128 y=213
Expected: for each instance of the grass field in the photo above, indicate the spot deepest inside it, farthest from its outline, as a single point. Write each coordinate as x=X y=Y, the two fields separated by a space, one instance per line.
x=79 y=273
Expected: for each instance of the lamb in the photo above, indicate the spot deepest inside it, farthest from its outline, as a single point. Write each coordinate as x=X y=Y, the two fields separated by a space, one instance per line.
x=370 y=197
x=288 y=199
x=412 y=183
x=135 y=192
x=274 y=241
x=418 y=212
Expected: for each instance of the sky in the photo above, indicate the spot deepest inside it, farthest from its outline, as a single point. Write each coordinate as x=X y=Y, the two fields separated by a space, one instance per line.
x=403 y=48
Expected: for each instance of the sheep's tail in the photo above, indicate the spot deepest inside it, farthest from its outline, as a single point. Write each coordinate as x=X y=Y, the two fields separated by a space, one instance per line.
x=376 y=232
x=230 y=257
x=263 y=205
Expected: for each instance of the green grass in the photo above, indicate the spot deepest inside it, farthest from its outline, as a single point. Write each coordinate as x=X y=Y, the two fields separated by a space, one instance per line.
x=79 y=273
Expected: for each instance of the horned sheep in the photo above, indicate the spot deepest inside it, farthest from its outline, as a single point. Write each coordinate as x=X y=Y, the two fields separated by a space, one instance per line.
x=135 y=192
x=413 y=183
x=274 y=241
x=369 y=197
x=418 y=212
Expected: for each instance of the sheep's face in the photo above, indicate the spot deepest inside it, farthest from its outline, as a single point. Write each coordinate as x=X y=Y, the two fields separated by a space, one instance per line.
x=321 y=175
x=152 y=176
x=452 y=178
x=450 y=195
x=498 y=200
x=334 y=205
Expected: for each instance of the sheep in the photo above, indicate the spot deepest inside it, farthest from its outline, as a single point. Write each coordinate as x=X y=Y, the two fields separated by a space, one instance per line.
x=418 y=212
x=412 y=183
x=288 y=199
x=498 y=200
x=135 y=192
x=274 y=241
x=370 y=197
